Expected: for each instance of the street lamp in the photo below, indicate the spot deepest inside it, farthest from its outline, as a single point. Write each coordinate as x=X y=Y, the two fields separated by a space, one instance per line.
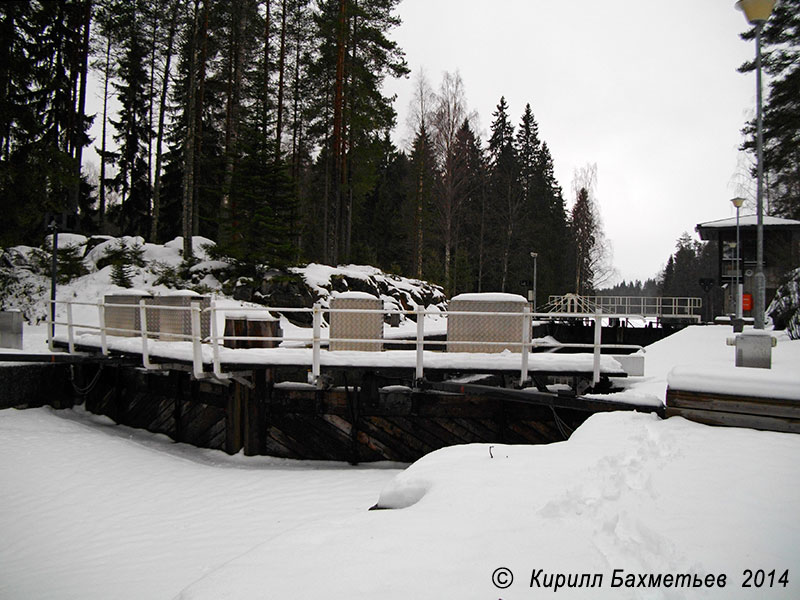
x=757 y=12
x=534 y=256
x=737 y=202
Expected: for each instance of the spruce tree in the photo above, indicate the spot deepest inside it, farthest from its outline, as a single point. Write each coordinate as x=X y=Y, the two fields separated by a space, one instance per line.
x=781 y=61
x=505 y=193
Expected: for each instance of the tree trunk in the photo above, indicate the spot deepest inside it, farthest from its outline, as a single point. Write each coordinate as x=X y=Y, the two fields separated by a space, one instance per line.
x=198 y=154
x=338 y=141
x=106 y=77
x=227 y=211
x=281 y=69
x=162 y=110
x=189 y=145
x=296 y=99
x=420 y=204
x=79 y=117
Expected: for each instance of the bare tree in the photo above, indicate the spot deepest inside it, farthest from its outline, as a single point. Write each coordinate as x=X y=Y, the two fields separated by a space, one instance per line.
x=449 y=114
x=593 y=251
x=419 y=120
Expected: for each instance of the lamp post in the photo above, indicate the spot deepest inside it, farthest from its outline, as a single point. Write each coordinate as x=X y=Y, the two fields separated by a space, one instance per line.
x=757 y=12
x=737 y=202
x=534 y=256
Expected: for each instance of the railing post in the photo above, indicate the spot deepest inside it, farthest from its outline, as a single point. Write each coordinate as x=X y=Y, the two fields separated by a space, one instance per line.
x=143 y=329
x=526 y=337
x=420 y=341
x=51 y=325
x=101 y=315
x=598 y=332
x=215 y=337
x=70 y=335
x=197 y=349
x=315 y=343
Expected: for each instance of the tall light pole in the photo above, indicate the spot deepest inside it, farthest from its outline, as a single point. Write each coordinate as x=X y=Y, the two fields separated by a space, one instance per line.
x=737 y=202
x=757 y=13
x=534 y=256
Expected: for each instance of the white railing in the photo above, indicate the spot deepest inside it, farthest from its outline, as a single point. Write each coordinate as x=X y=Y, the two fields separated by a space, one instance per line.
x=316 y=342
x=645 y=306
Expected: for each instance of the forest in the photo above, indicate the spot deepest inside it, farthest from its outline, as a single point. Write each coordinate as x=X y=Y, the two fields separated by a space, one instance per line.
x=262 y=124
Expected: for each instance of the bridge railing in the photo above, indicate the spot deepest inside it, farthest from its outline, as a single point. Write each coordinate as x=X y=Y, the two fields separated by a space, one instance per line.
x=208 y=348
x=646 y=306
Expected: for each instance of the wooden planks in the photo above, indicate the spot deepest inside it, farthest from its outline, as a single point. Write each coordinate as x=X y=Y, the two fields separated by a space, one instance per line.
x=370 y=418
x=769 y=414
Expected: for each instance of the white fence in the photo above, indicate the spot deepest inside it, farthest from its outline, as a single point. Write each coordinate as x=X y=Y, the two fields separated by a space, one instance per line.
x=523 y=344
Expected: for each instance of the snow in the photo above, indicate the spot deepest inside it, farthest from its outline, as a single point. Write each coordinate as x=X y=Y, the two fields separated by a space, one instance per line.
x=738 y=381
x=748 y=221
x=703 y=349
x=490 y=297
x=352 y=296
x=92 y=510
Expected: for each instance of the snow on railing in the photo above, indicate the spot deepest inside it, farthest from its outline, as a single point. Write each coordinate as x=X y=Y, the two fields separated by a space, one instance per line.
x=150 y=337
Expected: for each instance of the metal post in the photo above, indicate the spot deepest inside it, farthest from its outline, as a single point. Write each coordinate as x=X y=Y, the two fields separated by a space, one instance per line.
x=53 y=279
x=51 y=325
x=526 y=338
x=197 y=349
x=101 y=314
x=534 y=256
x=215 y=338
x=760 y=278
x=739 y=284
x=420 y=340
x=598 y=331
x=143 y=330
x=315 y=343
x=70 y=335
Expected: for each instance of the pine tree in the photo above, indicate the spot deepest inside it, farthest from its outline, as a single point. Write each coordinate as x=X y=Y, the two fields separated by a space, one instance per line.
x=132 y=126
x=43 y=125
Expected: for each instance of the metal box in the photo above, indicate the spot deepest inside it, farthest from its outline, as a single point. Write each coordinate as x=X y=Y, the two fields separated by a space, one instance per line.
x=11 y=329
x=175 y=316
x=126 y=322
x=495 y=327
x=754 y=348
x=357 y=326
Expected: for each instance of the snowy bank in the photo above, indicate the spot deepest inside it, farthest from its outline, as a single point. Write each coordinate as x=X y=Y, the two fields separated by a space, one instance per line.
x=627 y=492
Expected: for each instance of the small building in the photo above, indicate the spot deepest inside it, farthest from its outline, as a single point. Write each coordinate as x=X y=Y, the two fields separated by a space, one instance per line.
x=781 y=255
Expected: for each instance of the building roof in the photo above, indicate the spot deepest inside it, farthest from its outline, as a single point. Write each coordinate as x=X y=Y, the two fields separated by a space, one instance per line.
x=710 y=229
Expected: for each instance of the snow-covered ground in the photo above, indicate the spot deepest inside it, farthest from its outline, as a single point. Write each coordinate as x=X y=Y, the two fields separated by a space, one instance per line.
x=91 y=510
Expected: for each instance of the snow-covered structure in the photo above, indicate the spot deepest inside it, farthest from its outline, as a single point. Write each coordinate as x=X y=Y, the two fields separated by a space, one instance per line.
x=781 y=253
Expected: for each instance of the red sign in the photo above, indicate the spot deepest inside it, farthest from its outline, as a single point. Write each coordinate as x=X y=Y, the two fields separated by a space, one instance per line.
x=747 y=301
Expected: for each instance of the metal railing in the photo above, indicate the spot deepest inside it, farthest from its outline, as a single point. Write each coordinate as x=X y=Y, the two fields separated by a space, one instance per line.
x=418 y=342
x=644 y=306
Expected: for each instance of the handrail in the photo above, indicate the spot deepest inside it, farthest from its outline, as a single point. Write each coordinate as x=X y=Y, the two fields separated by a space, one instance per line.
x=648 y=306
x=524 y=344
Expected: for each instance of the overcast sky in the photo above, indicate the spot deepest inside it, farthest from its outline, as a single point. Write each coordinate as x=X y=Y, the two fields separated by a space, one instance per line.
x=646 y=89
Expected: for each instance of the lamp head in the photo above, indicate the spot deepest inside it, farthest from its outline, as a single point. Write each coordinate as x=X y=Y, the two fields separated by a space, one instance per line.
x=737 y=202
x=756 y=11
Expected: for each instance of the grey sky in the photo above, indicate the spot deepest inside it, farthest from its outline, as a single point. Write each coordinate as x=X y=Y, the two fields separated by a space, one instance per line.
x=646 y=89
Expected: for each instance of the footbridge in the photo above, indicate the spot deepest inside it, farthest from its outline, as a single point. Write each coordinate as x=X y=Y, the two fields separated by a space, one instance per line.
x=665 y=309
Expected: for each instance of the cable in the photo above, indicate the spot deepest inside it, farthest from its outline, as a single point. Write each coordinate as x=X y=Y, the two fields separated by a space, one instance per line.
x=86 y=390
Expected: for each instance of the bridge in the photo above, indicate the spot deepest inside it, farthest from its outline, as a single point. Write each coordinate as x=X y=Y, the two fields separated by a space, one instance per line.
x=665 y=309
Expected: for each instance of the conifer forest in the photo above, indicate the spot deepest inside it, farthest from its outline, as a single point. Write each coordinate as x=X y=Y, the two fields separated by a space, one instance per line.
x=263 y=125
